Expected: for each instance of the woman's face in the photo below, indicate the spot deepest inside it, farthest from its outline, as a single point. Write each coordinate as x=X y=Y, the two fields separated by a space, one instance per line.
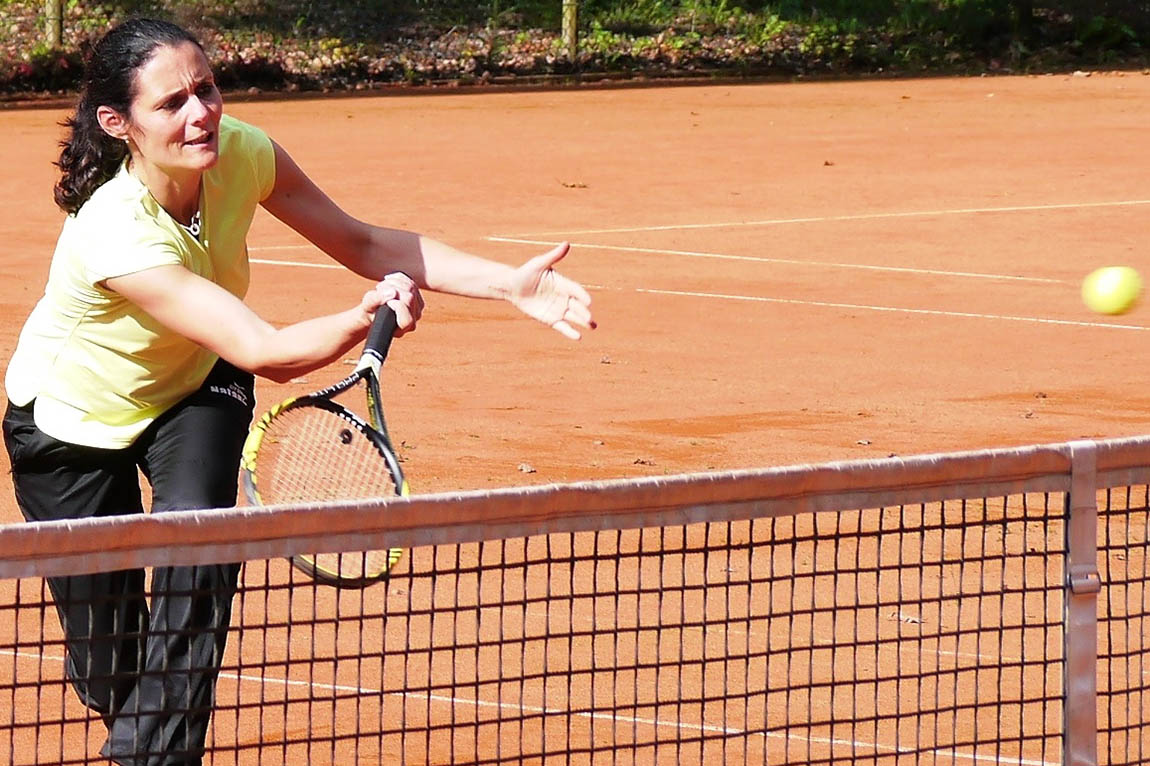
x=175 y=115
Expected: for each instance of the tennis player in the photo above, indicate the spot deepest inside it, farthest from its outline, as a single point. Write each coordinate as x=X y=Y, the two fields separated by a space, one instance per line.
x=140 y=356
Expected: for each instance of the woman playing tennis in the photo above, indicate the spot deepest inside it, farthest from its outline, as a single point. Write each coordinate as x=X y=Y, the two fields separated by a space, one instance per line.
x=141 y=355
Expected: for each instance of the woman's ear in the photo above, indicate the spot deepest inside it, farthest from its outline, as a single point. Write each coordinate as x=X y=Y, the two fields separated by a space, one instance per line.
x=112 y=122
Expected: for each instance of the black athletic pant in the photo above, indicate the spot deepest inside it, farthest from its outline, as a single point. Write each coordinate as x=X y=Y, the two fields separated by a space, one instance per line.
x=149 y=672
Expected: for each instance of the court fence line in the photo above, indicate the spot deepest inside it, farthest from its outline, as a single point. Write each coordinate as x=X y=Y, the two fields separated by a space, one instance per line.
x=1093 y=482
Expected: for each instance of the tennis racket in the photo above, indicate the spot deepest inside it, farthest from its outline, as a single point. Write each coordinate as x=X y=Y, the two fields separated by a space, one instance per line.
x=312 y=449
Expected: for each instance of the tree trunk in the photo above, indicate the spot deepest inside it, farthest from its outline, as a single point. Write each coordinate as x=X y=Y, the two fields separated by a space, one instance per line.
x=54 y=22
x=570 y=29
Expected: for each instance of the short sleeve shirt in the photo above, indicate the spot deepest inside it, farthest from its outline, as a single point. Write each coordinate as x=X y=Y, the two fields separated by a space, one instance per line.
x=98 y=367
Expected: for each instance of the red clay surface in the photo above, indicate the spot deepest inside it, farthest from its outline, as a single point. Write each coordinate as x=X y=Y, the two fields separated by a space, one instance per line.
x=782 y=273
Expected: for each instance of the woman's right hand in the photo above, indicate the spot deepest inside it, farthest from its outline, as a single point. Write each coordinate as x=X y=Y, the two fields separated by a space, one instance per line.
x=400 y=293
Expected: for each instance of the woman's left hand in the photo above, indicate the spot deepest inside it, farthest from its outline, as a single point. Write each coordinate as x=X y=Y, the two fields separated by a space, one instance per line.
x=401 y=294
x=542 y=293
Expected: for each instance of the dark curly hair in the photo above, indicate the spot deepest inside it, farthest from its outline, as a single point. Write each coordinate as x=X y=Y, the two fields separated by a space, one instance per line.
x=89 y=156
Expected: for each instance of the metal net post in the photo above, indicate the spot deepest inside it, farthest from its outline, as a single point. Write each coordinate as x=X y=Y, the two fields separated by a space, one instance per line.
x=1080 y=738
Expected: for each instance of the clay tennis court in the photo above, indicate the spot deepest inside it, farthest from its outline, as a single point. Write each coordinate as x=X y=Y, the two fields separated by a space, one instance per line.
x=782 y=273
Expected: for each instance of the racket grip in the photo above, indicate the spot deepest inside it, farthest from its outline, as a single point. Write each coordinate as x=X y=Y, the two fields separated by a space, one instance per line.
x=382 y=331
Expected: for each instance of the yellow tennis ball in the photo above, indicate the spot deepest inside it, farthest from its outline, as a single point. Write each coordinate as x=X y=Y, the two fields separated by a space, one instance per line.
x=1112 y=289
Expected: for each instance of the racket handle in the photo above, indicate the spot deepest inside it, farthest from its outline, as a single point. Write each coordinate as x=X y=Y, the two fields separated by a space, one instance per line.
x=382 y=331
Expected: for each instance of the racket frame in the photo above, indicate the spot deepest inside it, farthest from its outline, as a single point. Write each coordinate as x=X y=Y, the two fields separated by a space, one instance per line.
x=367 y=370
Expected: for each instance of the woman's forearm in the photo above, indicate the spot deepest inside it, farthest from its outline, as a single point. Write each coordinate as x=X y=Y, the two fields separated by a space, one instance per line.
x=432 y=264
x=304 y=347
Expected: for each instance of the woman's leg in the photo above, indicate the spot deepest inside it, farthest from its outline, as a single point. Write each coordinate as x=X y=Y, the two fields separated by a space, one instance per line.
x=102 y=614
x=191 y=457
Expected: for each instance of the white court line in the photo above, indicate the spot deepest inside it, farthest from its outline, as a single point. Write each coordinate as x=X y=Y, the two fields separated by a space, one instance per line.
x=822 y=304
x=692 y=254
x=857 y=217
x=616 y=719
x=759 y=259
x=293 y=263
x=891 y=309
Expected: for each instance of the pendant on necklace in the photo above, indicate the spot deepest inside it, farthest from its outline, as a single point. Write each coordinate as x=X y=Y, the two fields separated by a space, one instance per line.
x=194 y=227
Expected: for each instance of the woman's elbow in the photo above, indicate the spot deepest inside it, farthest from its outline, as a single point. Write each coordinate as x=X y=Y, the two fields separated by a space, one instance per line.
x=260 y=365
x=274 y=374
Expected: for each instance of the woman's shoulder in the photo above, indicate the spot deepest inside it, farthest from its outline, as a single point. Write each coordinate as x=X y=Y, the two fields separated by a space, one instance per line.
x=117 y=201
x=247 y=159
x=121 y=210
x=237 y=135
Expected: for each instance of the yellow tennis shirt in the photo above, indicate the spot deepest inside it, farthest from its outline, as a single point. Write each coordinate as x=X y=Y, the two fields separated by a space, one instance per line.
x=100 y=369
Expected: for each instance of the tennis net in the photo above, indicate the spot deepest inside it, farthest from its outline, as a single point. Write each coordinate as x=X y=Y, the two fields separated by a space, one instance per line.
x=969 y=608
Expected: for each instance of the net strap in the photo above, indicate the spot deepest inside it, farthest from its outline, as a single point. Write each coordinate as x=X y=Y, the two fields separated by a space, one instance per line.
x=1083 y=584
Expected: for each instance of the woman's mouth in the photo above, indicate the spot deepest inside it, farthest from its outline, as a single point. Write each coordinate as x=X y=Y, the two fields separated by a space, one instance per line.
x=204 y=139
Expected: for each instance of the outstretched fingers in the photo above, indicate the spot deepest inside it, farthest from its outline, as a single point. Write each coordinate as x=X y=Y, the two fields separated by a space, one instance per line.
x=548 y=296
x=577 y=310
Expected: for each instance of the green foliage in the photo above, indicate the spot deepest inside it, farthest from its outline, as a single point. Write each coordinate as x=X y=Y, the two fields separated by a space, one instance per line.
x=307 y=44
x=634 y=17
x=1106 y=33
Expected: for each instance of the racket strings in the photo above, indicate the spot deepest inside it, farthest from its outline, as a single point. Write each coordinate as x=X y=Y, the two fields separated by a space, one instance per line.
x=309 y=454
